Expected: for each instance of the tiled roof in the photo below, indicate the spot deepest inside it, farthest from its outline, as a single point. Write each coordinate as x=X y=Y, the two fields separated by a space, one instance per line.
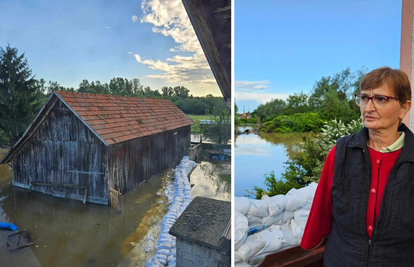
x=117 y=119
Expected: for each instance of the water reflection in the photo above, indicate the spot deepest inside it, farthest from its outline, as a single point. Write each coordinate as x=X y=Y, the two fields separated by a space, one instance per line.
x=257 y=154
x=70 y=233
x=212 y=180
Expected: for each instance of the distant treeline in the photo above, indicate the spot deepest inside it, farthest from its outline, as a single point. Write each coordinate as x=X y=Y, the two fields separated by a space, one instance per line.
x=179 y=95
x=22 y=96
x=331 y=98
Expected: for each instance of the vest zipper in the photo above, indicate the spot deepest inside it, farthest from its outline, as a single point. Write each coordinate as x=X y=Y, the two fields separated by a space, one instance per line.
x=369 y=252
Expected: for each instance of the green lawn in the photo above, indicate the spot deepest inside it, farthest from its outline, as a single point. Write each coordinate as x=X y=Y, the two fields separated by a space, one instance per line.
x=198 y=117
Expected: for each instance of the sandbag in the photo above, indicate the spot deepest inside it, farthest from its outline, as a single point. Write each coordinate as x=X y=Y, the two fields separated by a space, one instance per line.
x=237 y=257
x=252 y=225
x=273 y=238
x=258 y=208
x=294 y=200
x=271 y=220
x=257 y=259
x=287 y=215
x=296 y=229
x=276 y=204
x=242 y=205
x=301 y=216
x=291 y=240
x=307 y=193
x=241 y=226
x=253 y=244
x=253 y=219
x=314 y=185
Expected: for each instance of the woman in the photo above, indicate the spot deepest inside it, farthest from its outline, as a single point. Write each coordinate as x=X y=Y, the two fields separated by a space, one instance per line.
x=365 y=198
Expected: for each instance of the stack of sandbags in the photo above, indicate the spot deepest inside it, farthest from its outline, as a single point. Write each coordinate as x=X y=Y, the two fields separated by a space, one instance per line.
x=165 y=254
x=285 y=219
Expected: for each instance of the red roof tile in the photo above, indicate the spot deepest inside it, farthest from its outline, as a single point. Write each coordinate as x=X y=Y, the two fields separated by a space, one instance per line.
x=124 y=118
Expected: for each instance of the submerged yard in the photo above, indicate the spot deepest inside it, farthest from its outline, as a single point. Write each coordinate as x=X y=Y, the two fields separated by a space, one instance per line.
x=70 y=233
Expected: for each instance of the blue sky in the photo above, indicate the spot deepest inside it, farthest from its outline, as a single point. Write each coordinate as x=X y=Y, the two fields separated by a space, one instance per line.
x=284 y=47
x=68 y=41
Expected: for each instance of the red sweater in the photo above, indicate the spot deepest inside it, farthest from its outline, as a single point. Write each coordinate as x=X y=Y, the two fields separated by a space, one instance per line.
x=320 y=217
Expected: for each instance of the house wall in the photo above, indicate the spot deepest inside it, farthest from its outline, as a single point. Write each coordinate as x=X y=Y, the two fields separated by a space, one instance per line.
x=134 y=162
x=63 y=151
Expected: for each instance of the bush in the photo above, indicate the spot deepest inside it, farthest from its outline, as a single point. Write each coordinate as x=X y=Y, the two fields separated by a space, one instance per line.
x=306 y=162
x=300 y=122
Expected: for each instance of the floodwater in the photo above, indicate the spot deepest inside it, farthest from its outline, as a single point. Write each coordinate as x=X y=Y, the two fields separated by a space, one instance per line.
x=70 y=233
x=259 y=154
x=212 y=180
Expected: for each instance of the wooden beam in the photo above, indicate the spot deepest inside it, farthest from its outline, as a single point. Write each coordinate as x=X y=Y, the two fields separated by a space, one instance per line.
x=86 y=172
x=59 y=185
x=86 y=192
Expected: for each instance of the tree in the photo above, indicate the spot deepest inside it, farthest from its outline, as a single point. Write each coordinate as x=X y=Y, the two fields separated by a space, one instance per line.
x=20 y=98
x=219 y=131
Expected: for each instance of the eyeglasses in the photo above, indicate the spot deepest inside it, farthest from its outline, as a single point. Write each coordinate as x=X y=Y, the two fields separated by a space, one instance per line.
x=379 y=101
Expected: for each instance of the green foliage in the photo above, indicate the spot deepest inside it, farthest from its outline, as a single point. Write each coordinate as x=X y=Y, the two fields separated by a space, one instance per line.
x=331 y=98
x=220 y=130
x=307 y=158
x=20 y=99
x=299 y=122
x=266 y=112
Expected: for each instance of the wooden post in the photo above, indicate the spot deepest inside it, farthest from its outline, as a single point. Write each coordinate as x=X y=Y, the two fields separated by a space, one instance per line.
x=86 y=192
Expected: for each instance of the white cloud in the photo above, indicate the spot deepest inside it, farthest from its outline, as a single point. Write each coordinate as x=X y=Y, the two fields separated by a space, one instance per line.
x=107 y=27
x=171 y=20
x=260 y=98
x=251 y=86
x=130 y=53
x=134 y=18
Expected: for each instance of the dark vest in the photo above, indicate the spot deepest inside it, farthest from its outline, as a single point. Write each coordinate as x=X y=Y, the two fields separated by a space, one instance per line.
x=392 y=242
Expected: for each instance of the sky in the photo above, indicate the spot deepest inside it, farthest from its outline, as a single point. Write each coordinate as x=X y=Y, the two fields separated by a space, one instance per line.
x=68 y=41
x=284 y=47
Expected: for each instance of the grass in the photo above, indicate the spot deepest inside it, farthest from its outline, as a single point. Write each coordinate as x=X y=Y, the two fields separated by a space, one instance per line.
x=225 y=178
x=195 y=128
x=198 y=117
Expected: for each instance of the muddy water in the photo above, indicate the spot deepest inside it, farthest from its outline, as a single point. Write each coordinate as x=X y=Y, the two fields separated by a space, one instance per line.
x=70 y=233
x=212 y=180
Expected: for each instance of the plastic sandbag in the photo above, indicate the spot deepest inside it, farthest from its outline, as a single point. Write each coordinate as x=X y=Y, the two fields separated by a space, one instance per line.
x=253 y=244
x=241 y=226
x=287 y=215
x=273 y=238
x=253 y=219
x=242 y=204
x=258 y=208
x=301 y=216
x=307 y=193
x=276 y=204
x=271 y=220
x=294 y=200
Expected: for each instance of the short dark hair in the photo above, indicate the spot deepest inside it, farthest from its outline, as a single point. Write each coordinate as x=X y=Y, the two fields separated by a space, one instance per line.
x=395 y=78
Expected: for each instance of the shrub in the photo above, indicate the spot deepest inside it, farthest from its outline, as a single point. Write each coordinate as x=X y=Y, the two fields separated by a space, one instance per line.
x=306 y=162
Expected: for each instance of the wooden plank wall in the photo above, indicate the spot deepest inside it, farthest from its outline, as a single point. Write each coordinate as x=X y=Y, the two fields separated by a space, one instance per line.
x=63 y=151
x=134 y=162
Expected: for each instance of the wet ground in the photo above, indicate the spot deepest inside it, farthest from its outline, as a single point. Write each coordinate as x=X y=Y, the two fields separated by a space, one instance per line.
x=70 y=233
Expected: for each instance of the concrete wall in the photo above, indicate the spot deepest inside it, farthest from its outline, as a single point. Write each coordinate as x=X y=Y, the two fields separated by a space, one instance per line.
x=193 y=255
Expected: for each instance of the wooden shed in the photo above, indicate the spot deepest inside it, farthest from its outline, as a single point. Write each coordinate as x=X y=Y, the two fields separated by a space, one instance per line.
x=79 y=145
